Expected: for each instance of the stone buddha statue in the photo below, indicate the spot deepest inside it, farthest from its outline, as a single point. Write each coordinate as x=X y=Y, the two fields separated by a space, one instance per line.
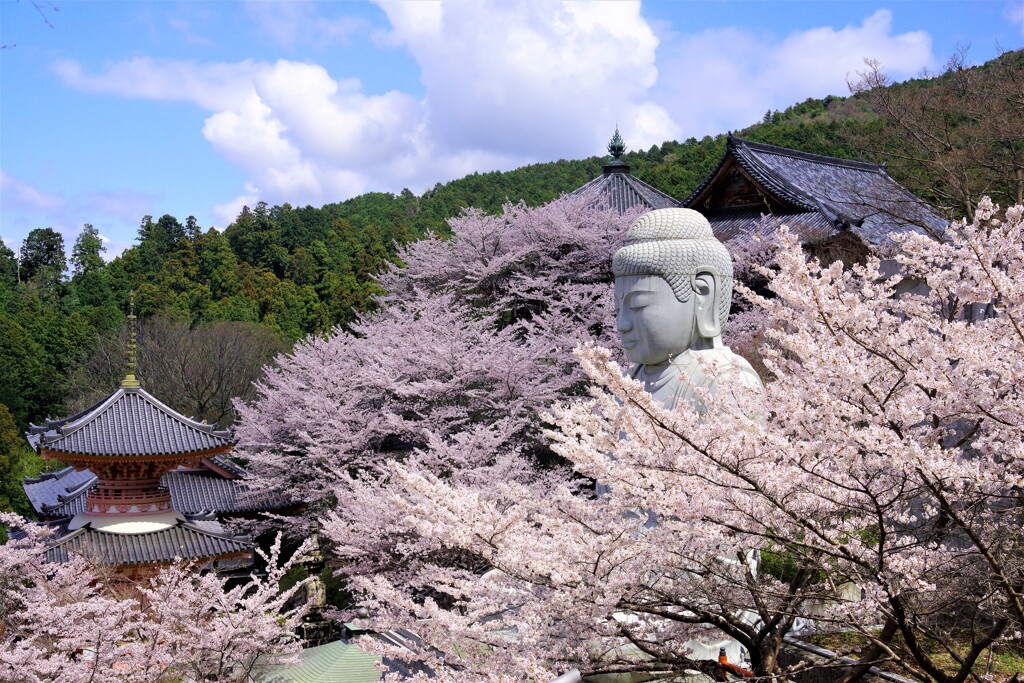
x=673 y=290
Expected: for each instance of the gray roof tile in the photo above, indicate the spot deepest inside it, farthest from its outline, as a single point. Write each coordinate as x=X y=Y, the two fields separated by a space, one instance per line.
x=740 y=224
x=624 y=192
x=182 y=542
x=50 y=492
x=130 y=421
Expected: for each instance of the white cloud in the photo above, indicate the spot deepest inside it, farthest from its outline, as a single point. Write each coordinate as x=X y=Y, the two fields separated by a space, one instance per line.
x=817 y=60
x=184 y=27
x=214 y=85
x=506 y=83
x=23 y=207
x=17 y=194
x=225 y=213
x=718 y=89
x=531 y=80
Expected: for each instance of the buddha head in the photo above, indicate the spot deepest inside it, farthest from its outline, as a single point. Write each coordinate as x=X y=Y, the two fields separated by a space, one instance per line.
x=673 y=286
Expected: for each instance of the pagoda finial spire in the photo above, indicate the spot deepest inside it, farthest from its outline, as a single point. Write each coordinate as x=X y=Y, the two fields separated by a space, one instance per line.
x=130 y=379
x=616 y=147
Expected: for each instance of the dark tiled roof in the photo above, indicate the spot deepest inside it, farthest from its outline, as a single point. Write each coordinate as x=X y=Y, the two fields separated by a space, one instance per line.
x=191 y=493
x=851 y=195
x=196 y=491
x=128 y=422
x=624 y=192
x=740 y=224
x=228 y=465
x=185 y=541
x=56 y=494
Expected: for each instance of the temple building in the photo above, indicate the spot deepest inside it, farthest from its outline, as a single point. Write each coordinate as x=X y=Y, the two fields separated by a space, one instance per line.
x=621 y=190
x=838 y=207
x=142 y=485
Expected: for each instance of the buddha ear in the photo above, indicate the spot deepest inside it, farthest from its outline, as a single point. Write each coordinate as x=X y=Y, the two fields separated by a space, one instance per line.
x=705 y=291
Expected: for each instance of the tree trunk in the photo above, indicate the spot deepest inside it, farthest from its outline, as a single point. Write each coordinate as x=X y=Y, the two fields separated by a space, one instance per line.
x=870 y=655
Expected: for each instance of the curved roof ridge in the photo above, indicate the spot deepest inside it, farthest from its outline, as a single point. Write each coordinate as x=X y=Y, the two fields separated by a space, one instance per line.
x=68 y=425
x=58 y=422
x=770 y=177
x=201 y=426
x=130 y=421
x=84 y=418
x=807 y=156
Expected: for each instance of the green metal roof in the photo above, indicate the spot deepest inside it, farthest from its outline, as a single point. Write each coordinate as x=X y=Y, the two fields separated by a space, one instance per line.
x=336 y=662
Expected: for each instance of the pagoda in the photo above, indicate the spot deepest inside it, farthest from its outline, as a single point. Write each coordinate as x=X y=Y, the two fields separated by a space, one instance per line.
x=620 y=189
x=125 y=518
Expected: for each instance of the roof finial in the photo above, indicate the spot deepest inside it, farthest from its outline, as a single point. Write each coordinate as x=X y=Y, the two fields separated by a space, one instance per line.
x=616 y=147
x=130 y=380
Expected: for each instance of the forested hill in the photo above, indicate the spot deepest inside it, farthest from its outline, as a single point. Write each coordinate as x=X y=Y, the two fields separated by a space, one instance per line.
x=278 y=273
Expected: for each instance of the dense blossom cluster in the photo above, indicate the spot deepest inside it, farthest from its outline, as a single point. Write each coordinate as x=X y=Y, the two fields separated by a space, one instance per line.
x=878 y=479
x=75 y=622
x=472 y=341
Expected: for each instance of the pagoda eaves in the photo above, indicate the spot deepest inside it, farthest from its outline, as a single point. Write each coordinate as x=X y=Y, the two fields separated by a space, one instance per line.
x=129 y=423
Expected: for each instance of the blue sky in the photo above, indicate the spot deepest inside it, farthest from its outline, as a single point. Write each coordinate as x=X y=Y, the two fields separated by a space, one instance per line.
x=113 y=110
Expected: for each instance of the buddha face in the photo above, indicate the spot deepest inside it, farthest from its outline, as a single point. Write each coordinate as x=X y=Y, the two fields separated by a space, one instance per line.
x=653 y=324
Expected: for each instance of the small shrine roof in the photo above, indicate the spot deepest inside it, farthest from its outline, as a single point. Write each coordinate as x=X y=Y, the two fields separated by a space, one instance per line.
x=60 y=493
x=185 y=541
x=335 y=662
x=853 y=195
x=128 y=422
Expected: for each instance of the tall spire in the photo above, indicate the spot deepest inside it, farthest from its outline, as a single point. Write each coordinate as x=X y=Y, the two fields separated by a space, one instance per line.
x=130 y=380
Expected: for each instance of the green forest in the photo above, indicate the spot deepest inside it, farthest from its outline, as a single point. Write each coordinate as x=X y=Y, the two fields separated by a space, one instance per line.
x=280 y=273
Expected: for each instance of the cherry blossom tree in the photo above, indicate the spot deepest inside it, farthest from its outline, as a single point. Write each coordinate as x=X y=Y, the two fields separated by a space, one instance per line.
x=875 y=487
x=475 y=330
x=74 y=621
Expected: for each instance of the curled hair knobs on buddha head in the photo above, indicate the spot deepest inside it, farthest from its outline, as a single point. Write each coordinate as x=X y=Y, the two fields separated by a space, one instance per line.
x=676 y=244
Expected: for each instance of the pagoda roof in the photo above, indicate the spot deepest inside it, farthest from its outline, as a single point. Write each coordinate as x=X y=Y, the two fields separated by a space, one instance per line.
x=620 y=190
x=62 y=493
x=128 y=422
x=624 y=192
x=186 y=541
x=816 y=192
